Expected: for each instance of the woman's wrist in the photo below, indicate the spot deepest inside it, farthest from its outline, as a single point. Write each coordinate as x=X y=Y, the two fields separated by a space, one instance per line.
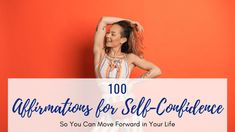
x=145 y=75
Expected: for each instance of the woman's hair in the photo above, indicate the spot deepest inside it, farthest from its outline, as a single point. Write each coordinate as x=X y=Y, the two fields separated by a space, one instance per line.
x=134 y=43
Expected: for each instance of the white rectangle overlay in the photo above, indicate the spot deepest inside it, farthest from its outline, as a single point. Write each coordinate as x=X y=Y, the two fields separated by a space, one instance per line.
x=113 y=105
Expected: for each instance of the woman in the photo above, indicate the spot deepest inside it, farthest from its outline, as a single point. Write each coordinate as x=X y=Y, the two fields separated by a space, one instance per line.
x=118 y=51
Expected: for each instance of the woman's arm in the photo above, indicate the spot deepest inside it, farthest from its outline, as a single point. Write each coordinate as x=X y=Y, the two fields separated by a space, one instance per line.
x=99 y=40
x=152 y=70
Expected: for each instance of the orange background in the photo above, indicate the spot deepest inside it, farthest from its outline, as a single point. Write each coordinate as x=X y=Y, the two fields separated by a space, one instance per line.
x=54 y=39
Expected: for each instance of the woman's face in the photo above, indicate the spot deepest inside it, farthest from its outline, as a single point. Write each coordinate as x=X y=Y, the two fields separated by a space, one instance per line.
x=113 y=37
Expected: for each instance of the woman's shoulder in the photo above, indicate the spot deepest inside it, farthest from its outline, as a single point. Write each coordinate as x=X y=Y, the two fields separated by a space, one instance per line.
x=132 y=56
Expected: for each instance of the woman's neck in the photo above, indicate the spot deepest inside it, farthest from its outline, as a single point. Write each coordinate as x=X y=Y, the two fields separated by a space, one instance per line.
x=114 y=52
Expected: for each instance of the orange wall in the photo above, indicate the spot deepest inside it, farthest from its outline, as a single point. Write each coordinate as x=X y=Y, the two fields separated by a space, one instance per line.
x=54 y=39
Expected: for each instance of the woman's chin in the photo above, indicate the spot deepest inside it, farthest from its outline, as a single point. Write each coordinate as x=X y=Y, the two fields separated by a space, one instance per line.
x=108 y=45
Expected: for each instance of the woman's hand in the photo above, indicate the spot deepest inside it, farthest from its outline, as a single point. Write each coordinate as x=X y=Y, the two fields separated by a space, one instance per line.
x=139 y=27
x=154 y=72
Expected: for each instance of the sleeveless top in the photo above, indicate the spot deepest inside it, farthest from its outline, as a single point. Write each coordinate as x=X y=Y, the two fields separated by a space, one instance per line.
x=111 y=67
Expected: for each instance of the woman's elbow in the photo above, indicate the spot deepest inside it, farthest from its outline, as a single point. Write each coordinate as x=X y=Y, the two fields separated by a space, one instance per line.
x=156 y=71
x=103 y=19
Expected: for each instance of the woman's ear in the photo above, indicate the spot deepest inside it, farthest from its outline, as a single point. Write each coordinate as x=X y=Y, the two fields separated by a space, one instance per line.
x=123 y=40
